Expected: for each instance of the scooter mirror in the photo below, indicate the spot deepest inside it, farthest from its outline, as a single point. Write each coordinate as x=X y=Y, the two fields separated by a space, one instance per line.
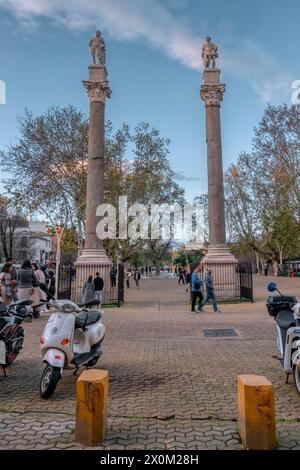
x=272 y=287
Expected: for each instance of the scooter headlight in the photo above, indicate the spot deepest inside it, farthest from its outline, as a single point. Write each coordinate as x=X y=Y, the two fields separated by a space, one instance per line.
x=68 y=308
x=296 y=310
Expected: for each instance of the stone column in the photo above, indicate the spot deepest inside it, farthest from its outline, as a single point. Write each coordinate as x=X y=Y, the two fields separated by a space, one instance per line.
x=218 y=257
x=93 y=257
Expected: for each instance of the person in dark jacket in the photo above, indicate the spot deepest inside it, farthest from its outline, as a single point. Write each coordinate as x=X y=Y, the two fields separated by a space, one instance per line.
x=196 y=288
x=88 y=293
x=113 y=277
x=51 y=284
x=98 y=284
x=28 y=287
x=137 y=278
x=210 y=291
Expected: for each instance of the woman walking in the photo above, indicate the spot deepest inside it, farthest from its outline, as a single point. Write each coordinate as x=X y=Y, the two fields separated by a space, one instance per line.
x=8 y=292
x=40 y=275
x=127 y=277
x=28 y=287
x=88 y=291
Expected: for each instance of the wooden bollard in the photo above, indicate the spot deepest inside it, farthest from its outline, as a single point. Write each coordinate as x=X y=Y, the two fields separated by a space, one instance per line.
x=256 y=412
x=91 y=407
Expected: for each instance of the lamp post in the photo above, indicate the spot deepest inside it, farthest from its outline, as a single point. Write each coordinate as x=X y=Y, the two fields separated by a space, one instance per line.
x=57 y=232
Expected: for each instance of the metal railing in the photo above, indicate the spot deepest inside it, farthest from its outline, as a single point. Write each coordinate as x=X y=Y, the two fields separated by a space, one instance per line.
x=71 y=281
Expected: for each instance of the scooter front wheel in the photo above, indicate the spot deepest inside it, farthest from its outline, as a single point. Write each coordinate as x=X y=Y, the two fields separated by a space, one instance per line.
x=297 y=378
x=49 y=380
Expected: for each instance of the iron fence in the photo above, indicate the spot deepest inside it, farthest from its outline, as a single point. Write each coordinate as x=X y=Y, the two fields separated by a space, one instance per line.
x=233 y=282
x=71 y=281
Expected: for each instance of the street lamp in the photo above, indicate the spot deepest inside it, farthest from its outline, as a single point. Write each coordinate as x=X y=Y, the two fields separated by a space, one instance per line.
x=57 y=232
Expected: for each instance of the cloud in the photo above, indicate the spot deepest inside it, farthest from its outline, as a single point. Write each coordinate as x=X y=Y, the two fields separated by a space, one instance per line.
x=161 y=26
x=180 y=176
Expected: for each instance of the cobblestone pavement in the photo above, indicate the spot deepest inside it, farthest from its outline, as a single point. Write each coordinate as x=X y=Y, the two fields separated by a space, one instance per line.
x=170 y=387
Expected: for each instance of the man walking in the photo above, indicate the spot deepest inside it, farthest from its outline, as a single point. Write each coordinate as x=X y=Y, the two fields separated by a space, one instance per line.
x=210 y=291
x=113 y=276
x=196 y=288
x=137 y=278
x=181 y=276
x=98 y=284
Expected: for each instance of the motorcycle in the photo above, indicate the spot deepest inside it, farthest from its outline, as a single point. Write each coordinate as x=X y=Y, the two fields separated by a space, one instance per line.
x=72 y=338
x=286 y=312
x=11 y=332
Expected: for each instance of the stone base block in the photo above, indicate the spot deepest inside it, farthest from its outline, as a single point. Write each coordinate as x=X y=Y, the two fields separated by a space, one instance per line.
x=224 y=271
x=91 y=407
x=88 y=264
x=97 y=73
x=256 y=412
x=97 y=257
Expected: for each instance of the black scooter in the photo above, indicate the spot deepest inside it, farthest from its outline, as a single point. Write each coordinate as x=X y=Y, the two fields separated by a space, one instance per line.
x=11 y=332
x=286 y=312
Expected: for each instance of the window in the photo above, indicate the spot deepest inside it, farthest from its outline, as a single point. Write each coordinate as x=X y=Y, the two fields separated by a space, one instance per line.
x=24 y=242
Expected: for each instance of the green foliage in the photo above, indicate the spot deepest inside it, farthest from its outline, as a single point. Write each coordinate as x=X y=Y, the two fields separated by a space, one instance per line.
x=47 y=171
x=262 y=192
x=183 y=257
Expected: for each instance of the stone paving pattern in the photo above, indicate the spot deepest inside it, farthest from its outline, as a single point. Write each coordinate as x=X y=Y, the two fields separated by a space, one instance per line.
x=170 y=387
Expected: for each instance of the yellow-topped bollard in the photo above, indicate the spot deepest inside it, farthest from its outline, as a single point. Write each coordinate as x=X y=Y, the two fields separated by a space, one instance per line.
x=256 y=412
x=91 y=407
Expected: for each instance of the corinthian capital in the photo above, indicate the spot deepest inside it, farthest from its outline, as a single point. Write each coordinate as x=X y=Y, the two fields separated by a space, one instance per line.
x=97 y=91
x=212 y=95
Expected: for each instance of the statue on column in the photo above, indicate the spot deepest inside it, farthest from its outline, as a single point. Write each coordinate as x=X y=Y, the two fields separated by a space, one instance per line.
x=209 y=54
x=97 y=48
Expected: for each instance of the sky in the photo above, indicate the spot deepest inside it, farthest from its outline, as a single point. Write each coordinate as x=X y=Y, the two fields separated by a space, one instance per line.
x=153 y=53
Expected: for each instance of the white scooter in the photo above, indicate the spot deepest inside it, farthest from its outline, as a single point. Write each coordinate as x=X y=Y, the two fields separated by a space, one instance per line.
x=72 y=338
x=286 y=312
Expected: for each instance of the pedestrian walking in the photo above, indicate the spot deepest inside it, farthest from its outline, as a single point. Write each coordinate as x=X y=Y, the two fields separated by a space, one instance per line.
x=188 y=277
x=210 y=291
x=98 y=284
x=13 y=271
x=137 y=278
x=181 y=276
x=197 y=283
x=128 y=275
x=113 y=277
x=88 y=292
x=8 y=293
x=41 y=278
x=28 y=287
x=266 y=269
x=50 y=284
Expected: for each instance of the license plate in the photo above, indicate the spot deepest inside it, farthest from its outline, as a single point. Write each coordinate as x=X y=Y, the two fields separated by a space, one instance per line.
x=2 y=353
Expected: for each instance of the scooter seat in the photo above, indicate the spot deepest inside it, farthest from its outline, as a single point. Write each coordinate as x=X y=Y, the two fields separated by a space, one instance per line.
x=88 y=318
x=285 y=319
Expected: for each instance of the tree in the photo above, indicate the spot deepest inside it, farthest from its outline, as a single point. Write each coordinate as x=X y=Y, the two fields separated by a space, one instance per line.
x=146 y=179
x=47 y=168
x=262 y=190
x=69 y=245
x=9 y=223
x=184 y=257
x=285 y=232
x=276 y=151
